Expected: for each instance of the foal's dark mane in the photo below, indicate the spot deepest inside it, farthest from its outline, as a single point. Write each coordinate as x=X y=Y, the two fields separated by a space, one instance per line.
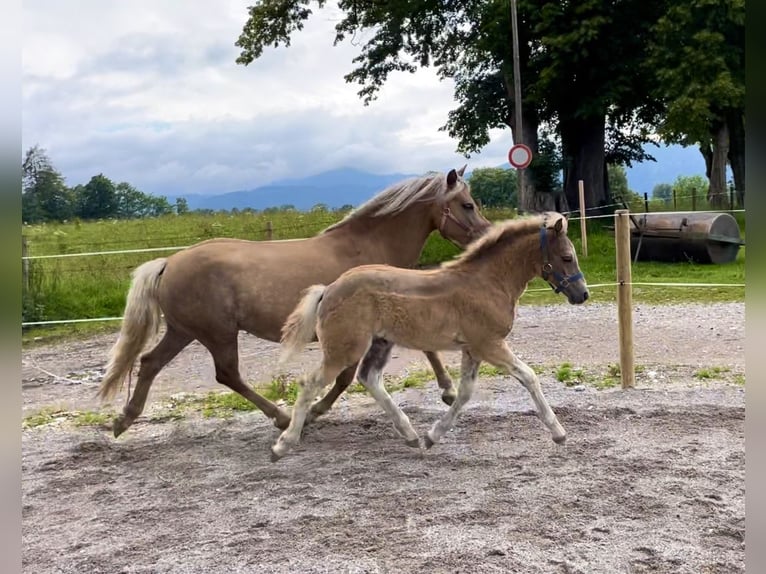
x=502 y=233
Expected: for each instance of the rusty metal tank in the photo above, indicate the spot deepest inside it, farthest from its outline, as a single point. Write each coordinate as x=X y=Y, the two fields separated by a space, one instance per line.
x=698 y=237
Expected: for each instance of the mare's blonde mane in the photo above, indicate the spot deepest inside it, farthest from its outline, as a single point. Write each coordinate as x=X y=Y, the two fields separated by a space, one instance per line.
x=401 y=195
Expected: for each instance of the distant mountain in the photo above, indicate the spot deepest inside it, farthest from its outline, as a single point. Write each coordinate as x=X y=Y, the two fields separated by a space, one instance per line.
x=335 y=188
x=672 y=161
x=348 y=186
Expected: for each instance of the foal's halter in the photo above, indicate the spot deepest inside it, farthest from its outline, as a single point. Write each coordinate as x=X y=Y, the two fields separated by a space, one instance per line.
x=563 y=281
x=447 y=214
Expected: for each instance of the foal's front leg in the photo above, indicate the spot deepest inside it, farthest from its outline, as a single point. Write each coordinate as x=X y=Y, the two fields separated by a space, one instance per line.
x=469 y=369
x=502 y=357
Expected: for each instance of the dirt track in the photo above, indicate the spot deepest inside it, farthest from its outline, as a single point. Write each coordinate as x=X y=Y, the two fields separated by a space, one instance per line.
x=651 y=480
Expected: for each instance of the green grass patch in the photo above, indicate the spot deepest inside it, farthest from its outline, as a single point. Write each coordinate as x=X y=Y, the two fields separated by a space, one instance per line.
x=96 y=286
x=49 y=415
x=280 y=389
x=570 y=376
x=739 y=379
x=711 y=373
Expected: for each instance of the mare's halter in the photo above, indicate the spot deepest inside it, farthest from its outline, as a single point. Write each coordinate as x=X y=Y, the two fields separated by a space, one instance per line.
x=563 y=282
x=447 y=214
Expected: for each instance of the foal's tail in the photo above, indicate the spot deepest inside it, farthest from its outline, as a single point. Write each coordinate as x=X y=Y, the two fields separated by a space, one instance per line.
x=140 y=321
x=300 y=328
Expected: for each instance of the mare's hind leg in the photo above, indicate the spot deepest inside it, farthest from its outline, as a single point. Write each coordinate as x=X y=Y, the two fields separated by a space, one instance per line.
x=442 y=377
x=309 y=389
x=152 y=362
x=343 y=381
x=226 y=359
x=369 y=375
x=501 y=356
x=469 y=369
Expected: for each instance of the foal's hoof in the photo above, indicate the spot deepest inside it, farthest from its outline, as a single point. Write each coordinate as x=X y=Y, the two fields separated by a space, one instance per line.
x=448 y=398
x=428 y=442
x=413 y=442
x=120 y=425
x=560 y=439
x=275 y=455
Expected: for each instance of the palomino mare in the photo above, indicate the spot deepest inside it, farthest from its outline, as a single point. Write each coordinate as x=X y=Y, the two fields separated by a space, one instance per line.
x=468 y=304
x=213 y=290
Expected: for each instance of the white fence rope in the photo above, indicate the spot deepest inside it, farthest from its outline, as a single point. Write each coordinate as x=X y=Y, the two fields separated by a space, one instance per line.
x=153 y=249
x=593 y=286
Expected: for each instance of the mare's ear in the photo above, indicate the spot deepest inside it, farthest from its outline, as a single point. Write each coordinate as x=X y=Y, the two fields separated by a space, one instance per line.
x=451 y=178
x=461 y=171
x=559 y=225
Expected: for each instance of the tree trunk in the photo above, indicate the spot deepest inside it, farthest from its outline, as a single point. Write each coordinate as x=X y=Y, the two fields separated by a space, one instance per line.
x=736 y=123
x=716 y=196
x=583 y=142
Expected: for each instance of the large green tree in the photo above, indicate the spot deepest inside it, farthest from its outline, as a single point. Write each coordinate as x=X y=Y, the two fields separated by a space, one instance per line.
x=45 y=196
x=494 y=186
x=697 y=53
x=97 y=198
x=580 y=70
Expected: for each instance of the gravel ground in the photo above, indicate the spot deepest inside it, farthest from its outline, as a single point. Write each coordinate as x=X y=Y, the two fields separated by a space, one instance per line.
x=650 y=480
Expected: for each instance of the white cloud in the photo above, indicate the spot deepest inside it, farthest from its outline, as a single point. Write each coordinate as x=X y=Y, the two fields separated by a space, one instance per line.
x=149 y=92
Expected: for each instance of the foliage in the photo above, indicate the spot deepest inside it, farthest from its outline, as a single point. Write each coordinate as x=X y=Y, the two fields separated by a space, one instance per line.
x=663 y=192
x=45 y=197
x=494 y=187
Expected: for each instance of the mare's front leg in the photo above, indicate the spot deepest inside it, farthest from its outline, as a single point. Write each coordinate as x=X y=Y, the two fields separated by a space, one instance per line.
x=370 y=376
x=502 y=357
x=469 y=370
x=442 y=377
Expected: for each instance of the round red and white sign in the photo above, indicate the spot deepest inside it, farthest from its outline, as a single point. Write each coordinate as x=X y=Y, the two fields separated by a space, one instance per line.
x=520 y=156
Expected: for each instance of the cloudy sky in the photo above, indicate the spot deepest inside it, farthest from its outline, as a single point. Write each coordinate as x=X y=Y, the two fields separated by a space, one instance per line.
x=148 y=92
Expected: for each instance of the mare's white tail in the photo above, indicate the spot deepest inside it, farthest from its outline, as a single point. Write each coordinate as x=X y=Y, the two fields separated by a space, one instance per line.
x=140 y=321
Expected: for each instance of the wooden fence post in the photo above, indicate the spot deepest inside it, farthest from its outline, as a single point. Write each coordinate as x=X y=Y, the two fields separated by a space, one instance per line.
x=624 y=297
x=646 y=202
x=583 y=232
x=675 y=208
x=269 y=231
x=24 y=264
x=694 y=199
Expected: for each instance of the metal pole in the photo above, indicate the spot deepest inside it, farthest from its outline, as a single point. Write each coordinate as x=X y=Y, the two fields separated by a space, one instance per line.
x=583 y=231
x=517 y=97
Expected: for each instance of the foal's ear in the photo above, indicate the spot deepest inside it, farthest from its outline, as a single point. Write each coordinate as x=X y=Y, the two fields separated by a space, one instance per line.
x=451 y=178
x=461 y=171
x=559 y=225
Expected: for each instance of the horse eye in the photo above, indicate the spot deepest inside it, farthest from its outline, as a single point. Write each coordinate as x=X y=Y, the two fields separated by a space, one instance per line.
x=567 y=258
x=468 y=206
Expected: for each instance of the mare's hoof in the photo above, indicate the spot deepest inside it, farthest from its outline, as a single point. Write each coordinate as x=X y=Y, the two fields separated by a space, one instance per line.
x=560 y=439
x=282 y=422
x=119 y=426
x=448 y=399
x=428 y=442
x=413 y=443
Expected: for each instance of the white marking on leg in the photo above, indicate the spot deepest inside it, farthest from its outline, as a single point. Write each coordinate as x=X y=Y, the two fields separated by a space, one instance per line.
x=527 y=377
x=401 y=422
x=306 y=395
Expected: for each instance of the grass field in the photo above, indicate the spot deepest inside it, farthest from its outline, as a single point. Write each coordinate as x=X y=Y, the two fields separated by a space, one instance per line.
x=95 y=286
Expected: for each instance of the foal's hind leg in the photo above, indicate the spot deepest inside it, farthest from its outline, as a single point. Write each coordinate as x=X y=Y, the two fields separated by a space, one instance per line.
x=152 y=362
x=343 y=381
x=226 y=359
x=502 y=357
x=369 y=375
x=310 y=387
x=442 y=377
x=469 y=369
